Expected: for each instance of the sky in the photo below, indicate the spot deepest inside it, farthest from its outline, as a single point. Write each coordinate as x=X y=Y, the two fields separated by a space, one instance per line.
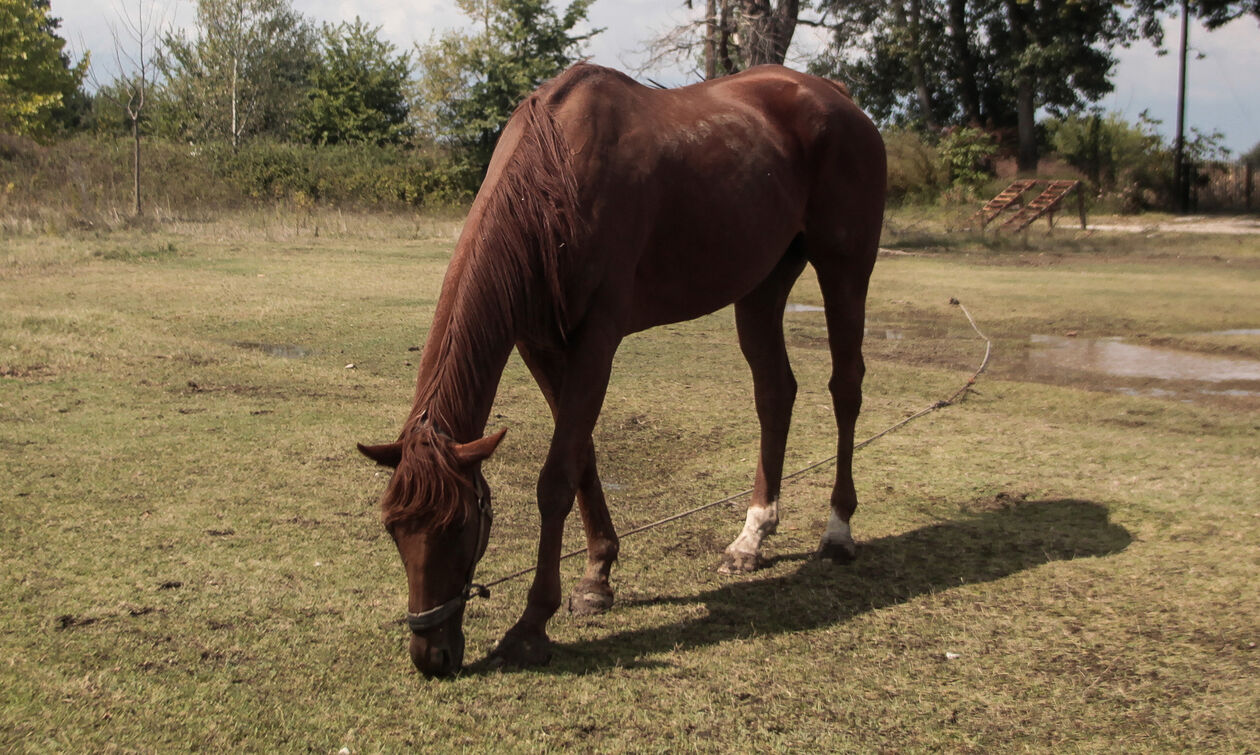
x=1223 y=86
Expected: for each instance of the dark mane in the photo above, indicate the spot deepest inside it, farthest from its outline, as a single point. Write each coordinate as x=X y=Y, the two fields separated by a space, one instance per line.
x=506 y=276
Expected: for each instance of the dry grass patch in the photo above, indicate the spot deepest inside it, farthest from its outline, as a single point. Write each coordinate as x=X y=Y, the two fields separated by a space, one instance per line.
x=192 y=557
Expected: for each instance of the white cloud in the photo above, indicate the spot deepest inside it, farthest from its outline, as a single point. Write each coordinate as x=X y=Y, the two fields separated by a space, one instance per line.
x=1222 y=89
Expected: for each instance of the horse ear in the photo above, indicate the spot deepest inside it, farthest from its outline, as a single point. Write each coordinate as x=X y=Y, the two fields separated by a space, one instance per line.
x=386 y=454
x=478 y=450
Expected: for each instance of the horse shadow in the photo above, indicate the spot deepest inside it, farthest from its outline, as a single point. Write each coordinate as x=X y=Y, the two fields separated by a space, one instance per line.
x=1007 y=537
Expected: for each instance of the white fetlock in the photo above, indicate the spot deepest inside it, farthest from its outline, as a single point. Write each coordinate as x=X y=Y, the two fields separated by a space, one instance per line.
x=744 y=554
x=838 y=535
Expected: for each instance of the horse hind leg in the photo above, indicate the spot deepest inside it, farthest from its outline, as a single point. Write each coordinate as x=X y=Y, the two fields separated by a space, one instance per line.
x=759 y=320
x=843 y=276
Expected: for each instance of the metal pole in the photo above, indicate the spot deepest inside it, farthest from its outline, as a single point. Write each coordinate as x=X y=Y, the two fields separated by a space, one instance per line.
x=1180 y=180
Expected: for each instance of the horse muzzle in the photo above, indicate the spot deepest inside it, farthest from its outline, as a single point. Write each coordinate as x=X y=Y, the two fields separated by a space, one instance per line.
x=439 y=653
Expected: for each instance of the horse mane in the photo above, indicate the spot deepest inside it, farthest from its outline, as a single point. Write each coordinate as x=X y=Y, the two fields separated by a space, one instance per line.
x=506 y=276
x=426 y=488
x=507 y=272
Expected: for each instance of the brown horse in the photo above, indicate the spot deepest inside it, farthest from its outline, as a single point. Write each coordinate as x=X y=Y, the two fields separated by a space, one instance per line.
x=610 y=208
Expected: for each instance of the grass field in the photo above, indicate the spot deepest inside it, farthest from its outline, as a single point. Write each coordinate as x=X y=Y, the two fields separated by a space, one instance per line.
x=190 y=554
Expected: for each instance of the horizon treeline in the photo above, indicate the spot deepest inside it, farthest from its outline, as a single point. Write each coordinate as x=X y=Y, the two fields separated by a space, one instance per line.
x=257 y=101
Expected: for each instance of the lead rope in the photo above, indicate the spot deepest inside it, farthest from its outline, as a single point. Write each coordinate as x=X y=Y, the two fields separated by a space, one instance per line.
x=984 y=363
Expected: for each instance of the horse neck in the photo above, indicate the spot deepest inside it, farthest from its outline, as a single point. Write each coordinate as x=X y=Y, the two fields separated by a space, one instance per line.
x=467 y=349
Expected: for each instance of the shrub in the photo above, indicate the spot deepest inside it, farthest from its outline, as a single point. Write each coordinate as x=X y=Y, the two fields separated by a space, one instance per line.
x=348 y=174
x=89 y=178
x=967 y=158
x=914 y=166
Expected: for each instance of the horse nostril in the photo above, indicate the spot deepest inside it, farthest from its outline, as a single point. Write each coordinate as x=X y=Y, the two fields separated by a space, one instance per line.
x=433 y=661
x=441 y=659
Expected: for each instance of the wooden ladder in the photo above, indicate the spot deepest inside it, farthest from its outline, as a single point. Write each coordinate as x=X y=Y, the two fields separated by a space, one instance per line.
x=1046 y=202
x=1001 y=202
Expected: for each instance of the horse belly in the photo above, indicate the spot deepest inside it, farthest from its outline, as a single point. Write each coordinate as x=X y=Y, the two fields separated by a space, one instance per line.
x=700 y=264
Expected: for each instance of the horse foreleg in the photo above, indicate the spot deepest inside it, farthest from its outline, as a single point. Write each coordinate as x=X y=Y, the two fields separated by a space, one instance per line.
x=759 y=320
x=593 y=594
x=588 y=362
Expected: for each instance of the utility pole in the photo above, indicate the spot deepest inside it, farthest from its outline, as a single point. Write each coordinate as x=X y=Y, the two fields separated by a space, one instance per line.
x=1181 y=181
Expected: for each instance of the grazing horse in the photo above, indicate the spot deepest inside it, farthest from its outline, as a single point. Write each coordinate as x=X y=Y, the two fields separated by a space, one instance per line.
x=609 y=208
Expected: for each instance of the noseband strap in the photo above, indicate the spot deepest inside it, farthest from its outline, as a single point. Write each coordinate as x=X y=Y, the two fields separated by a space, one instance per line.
x=436 y=616
x=426 y=620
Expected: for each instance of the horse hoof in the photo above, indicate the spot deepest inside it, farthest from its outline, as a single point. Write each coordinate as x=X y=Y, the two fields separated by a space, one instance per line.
x=741 y=562
x=589 y=599
x=521 y=651
x=838 y=553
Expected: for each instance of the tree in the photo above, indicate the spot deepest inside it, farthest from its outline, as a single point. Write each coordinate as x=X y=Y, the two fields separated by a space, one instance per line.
x=469 y=83
x=1106 y=148
x=1252 y=156
x=134 y=50
x=764 y=29
x=731 y=36
x=1212 y=13
x=991 y=63
x=244 y=73
x=36 y=76
x=357 y=89
x=987 y=62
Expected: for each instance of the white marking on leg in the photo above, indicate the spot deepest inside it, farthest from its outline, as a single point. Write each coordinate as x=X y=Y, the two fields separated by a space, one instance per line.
x=838 y=533
x=760 y=522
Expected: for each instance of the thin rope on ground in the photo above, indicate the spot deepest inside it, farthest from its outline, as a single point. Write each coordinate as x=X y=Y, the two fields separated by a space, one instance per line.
x=984 y=364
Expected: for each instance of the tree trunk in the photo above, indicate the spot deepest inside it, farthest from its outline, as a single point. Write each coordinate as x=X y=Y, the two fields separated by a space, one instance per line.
x=232 y=93
x=1025 y=94
x=135 y=164
x=710 y=39
x=767 y=32
x=724 y=38
x=917 y=69
x=1026 y=113
x=959 y=37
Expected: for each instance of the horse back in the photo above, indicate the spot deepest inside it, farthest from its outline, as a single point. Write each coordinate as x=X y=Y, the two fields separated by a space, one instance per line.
x=691 y=196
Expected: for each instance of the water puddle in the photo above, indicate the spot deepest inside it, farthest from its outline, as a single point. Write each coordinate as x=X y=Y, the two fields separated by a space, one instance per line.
x=283 y=350
x=1115 y=358
x=1235 y=332
x=870 y=331
x=887 y=334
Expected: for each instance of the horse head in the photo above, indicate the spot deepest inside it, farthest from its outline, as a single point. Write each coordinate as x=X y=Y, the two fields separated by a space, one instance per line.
x=437 y=509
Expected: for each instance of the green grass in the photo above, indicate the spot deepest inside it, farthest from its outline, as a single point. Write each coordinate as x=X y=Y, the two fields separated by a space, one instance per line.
x=191 y=557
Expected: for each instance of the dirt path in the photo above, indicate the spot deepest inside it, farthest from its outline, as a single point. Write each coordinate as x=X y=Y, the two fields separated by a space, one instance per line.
x=1234 y=225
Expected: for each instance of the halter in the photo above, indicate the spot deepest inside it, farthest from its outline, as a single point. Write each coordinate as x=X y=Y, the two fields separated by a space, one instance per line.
x=433 y=617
